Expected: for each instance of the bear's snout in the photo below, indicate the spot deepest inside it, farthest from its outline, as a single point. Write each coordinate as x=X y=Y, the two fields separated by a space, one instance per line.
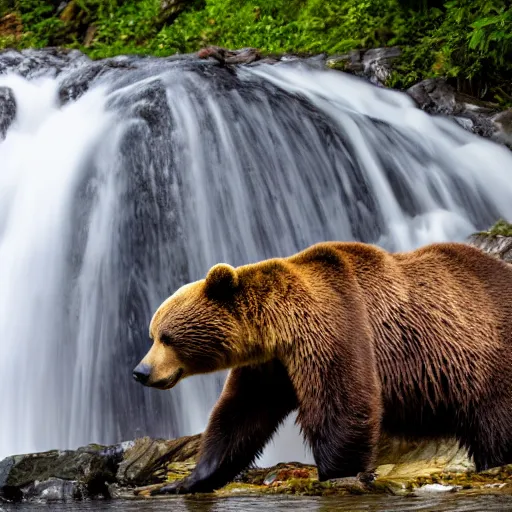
x=141 y=373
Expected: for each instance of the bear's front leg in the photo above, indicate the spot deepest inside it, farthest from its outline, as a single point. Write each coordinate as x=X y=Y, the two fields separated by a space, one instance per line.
x=255 y=400
x=340 y=415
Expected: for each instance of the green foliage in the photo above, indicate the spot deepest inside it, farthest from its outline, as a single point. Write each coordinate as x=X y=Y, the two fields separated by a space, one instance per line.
x=278 y=26
x=469 y=41
x=502 y=227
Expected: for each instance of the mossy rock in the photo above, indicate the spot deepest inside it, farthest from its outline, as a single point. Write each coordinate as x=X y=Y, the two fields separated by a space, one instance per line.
x=501 y=228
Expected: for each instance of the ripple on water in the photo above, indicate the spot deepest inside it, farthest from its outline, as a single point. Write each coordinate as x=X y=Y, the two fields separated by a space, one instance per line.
x=454 y=503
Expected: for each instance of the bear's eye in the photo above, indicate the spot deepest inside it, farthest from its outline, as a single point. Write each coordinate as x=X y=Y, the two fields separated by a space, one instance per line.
x=166 y=339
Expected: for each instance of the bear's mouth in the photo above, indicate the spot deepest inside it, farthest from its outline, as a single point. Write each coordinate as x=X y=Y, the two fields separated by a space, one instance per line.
x=171 y=381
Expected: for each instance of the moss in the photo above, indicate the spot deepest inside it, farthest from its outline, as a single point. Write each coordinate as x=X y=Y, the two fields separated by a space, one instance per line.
x=502 y=227
x=177 y=470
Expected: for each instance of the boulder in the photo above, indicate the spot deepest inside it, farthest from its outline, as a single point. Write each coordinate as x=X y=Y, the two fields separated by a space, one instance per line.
x=374 y=65
x=437 y=96
x=144 y=461
x=61 y=475
x=94 y=470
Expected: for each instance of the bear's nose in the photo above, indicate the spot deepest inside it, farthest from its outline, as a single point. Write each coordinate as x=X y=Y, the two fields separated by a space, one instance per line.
x=141 y=373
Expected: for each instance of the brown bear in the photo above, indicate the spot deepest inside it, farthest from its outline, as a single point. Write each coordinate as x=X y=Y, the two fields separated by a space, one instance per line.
x=359 y=340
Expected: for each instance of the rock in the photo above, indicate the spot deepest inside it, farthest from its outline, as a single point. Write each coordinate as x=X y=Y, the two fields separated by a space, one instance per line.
x=7 y=110
x=435 y=488
x=146 y=460
x=231 y=57
x=436 y=96
x=377 y=64
x=85 y=472
x=374 y=65
x=53 y=489
x=96 y=470
x=32 y=63
x=503 y=124
x=497 y=241
x=399 y=458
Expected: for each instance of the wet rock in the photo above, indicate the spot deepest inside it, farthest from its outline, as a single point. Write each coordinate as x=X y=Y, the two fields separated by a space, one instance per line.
x=231 y=57
x=62 y=474
x=54 y=489
x=436 y=96
x=374 y=65
x=435 y=489
x=32 y=63
x=503 y=124
x=377 y=63
x=146 y=461
x=7 y=110
x=494 y=242
x=78 y=83
x=350 y=62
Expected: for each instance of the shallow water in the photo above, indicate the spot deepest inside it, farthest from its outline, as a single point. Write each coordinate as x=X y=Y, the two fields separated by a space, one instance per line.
x=451 y=503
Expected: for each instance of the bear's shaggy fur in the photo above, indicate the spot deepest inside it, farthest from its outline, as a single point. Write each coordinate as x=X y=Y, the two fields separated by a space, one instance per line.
x=359 y=340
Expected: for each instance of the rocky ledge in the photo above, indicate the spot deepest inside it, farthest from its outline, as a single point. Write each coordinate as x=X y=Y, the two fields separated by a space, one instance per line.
x=77 y=72
x=133 y=469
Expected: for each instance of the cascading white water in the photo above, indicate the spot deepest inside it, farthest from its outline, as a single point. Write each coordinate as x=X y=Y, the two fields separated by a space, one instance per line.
x=110 y=202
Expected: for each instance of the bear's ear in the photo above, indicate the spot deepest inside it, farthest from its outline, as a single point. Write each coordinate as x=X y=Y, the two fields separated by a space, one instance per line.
x=221 y=281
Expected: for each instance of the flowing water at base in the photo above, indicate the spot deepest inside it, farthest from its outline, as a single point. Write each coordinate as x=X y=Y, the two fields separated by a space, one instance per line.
x=451 y=503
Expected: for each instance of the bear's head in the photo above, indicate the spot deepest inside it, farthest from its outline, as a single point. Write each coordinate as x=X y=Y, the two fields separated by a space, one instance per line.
x=201 y=328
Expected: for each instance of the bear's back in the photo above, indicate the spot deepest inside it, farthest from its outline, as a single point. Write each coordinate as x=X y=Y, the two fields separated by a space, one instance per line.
x=441 y=318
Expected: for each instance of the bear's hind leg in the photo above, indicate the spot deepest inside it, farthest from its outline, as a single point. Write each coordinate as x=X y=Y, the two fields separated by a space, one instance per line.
x=488 y=437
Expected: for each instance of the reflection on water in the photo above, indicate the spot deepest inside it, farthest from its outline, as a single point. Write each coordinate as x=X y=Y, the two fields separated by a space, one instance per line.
x=451 y=503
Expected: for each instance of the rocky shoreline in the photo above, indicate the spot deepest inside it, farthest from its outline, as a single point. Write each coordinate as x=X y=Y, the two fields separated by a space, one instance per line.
x=133 y=469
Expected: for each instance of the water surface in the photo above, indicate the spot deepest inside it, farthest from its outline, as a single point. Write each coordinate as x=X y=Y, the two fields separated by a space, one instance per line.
x=450 y=503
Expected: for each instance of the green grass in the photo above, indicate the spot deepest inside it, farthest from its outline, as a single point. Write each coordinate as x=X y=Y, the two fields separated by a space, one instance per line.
x=502 y=227
x=469 y=41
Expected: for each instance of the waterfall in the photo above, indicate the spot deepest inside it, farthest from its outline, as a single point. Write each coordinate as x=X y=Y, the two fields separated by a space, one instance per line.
x=122 y=180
